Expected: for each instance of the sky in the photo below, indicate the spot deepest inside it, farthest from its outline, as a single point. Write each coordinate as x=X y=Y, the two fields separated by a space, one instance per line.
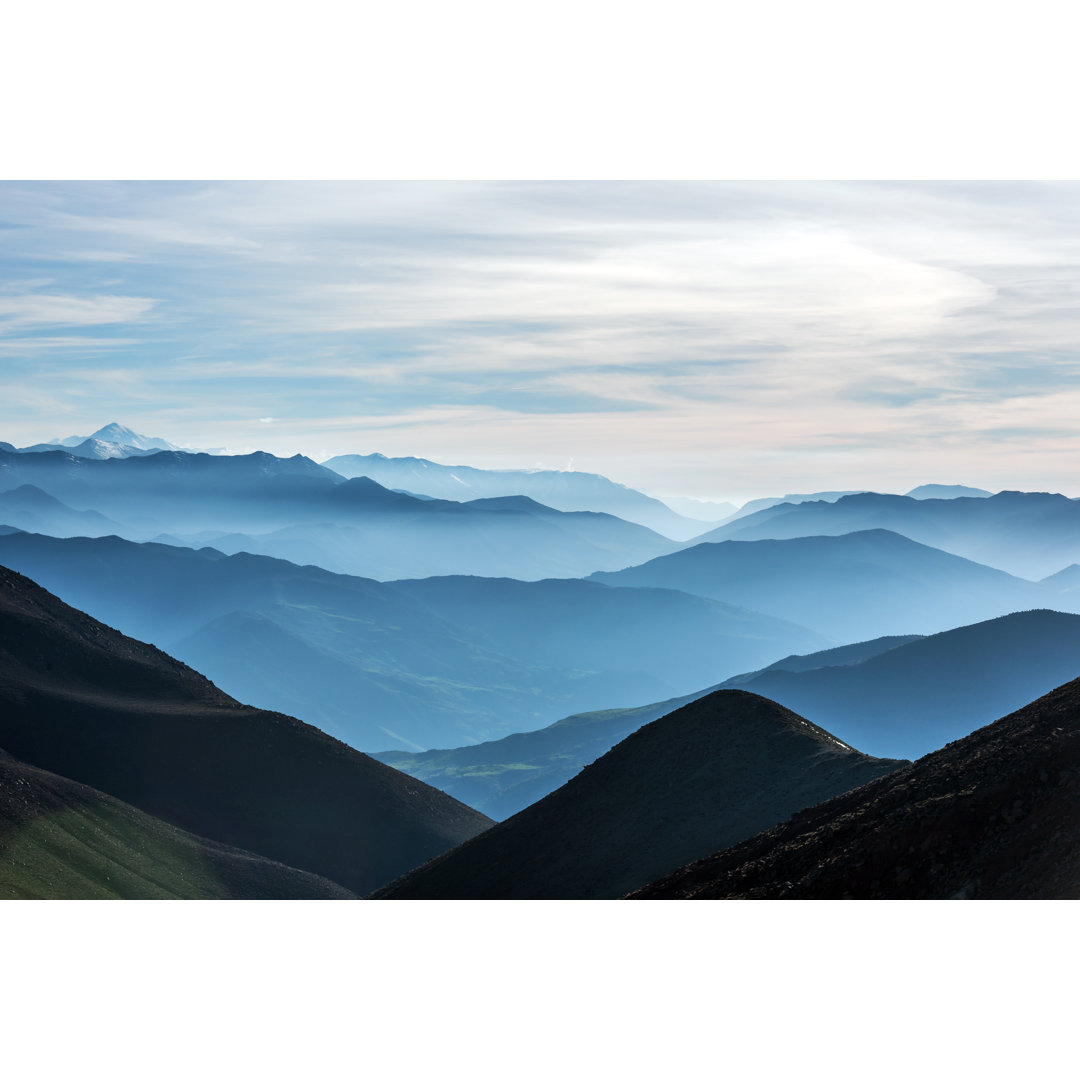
x=722 y=340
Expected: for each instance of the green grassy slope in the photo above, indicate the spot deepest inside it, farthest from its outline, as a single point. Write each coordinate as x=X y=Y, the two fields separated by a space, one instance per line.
x=60 y=840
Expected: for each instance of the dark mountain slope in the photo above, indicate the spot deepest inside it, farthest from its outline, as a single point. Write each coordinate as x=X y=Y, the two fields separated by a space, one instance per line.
x=1029 y=533
x=411 y=664
x=852 y=587
x=81 y=700
x=60 y=840
x=994 y=816
x=504 y=776
x=919 y=696
x=717 y=768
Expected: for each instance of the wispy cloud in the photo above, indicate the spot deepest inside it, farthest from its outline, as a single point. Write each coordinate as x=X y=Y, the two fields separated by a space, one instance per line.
x=763 y=330
x=50 y=309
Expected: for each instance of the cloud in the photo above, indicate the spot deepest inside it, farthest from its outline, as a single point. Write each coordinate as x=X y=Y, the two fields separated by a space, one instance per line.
x=50 y=309
x=785 y=327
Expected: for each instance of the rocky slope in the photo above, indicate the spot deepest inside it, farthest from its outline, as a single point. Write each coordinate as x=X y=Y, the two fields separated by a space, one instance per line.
x=993 y=816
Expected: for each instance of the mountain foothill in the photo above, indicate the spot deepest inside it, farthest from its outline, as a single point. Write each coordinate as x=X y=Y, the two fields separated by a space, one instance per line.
x=256 y=677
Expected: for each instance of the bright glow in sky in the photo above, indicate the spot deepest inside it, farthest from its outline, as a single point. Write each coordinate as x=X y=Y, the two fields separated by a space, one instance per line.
x=720 y=340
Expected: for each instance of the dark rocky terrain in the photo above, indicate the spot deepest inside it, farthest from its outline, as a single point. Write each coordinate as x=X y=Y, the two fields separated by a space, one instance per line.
x=711 y=773
x=81 y=700
x=993 y=816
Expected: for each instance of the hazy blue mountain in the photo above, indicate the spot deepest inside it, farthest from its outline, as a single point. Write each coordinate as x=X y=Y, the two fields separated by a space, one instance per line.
x=1030 y=534
x=505 y=775
x=947 y=491
x=296 y=509
x=514 y=537
x=413 y=664
x=33 y=510
x=700 y=509
x=915 y=698
x=851 y=587
x=80 y=700
x=991 y=816
x=756 y=505
x=714 y=772
x=561 y=490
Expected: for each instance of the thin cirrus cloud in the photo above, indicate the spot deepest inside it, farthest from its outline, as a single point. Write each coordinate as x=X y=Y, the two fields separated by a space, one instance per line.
x=710 y=339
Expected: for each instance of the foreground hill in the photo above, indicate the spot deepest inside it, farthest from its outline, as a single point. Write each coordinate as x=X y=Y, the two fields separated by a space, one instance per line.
x=994 y=816
x=918 y=696
x=709 y=773
x=1028 y=533
x=79 y=699
x=560 y=489
x=405 y=664
x=60 y=840
x=850 y=587
x=505 y=775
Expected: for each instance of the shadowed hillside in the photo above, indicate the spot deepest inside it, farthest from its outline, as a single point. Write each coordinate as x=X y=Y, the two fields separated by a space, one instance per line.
x=994 y=816
x=709 y=773
x=60 y=840
x=81 y=700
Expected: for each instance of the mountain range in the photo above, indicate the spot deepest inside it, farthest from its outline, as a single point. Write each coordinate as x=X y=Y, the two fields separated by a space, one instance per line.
x=294 y=508
x=850 y=587
x=562 y=490
x=409 y=664
x=1031 y=534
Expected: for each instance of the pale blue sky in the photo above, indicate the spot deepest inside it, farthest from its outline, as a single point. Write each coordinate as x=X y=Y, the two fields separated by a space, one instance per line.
x=718 y=340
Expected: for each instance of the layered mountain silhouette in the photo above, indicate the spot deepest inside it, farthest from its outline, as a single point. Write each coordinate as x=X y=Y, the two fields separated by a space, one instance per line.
x=32 y=510
x=81 y=700
x=993 y=816
x=756 y=505
x=710 y=773
x=60 y=840
x=294 y=508
x=914 y=698
x=947 y=491
x=409 y=664
x=1031 y=534
x=850 y=587
x=505 y=775
x=559 y=489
